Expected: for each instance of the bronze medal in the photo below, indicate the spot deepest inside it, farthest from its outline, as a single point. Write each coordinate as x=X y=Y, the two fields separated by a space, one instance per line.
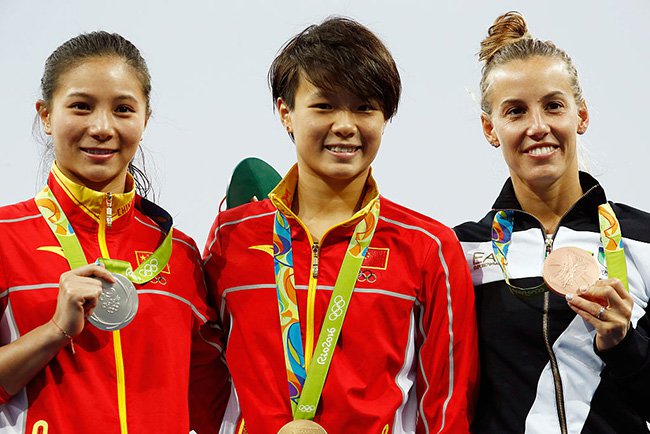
x=302 y=426
x=569 y=268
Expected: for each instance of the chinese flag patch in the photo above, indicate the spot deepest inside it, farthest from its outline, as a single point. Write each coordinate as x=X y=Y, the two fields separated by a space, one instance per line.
x=376 y=258
x=141 y=256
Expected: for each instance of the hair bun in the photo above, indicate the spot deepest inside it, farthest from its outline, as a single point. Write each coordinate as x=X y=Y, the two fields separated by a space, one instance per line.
x=508 y=28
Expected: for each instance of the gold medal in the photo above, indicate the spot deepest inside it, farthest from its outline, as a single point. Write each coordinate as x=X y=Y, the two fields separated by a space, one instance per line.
x=302 y=426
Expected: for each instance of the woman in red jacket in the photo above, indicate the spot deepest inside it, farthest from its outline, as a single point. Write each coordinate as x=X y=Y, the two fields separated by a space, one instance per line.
x=102 y=301
x=347 y=312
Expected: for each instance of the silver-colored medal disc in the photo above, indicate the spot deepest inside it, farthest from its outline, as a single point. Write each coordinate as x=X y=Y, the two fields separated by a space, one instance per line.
x=302 y=426
x=117 y=304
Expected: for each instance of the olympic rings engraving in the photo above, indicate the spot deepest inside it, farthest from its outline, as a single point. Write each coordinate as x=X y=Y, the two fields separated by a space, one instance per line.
x=149 y=269
x=367 y=276
x=337 y=308
x=306 y=408
x=159 y=279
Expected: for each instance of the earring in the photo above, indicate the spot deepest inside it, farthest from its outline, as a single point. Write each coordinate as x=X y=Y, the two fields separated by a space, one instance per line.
x=495 y=144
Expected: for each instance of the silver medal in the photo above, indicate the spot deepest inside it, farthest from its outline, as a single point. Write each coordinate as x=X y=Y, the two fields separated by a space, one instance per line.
x=117 y=304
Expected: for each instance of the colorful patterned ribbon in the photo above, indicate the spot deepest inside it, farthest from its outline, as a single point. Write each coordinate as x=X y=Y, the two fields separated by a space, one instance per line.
x=502 y=235
x=305 y=390
x=502 y=229
x=294 y=353
x=73 y=252
x=610 y=236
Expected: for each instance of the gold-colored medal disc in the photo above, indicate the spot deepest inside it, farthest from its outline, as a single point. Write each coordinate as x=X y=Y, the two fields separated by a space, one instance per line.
x=302 y=426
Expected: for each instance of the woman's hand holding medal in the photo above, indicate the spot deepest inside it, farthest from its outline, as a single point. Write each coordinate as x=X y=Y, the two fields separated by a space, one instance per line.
x=607 y=306
x=79 y=292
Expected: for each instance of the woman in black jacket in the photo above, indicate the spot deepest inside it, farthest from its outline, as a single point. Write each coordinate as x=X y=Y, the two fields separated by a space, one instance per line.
x=578 y=362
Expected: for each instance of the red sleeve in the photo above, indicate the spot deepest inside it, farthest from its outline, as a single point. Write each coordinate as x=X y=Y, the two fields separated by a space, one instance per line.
x=448 y=368
x=209 y=388
x=213 y=263
x=4 y=396
x=209 y=381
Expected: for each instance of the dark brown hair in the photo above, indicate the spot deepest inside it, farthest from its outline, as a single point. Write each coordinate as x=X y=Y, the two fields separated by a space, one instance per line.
x=508 y=39
x=91 y=45
x=337 y=54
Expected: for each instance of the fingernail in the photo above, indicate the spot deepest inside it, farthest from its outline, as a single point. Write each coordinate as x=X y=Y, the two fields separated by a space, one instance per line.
x=569 y=297
x=583 y=289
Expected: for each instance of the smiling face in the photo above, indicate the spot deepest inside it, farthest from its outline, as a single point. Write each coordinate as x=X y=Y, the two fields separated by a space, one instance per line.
x=535 y=119
x=96 y=118
x=337 y=135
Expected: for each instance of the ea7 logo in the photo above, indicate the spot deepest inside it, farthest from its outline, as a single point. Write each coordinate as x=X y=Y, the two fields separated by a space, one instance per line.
x=480 y=260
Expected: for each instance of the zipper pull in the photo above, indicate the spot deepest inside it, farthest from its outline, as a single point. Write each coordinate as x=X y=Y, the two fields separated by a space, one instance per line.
x=314 y=263
x=109 y=210
x=549 y=244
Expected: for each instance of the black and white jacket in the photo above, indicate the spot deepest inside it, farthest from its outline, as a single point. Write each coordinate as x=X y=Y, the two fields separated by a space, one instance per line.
x=540 y=372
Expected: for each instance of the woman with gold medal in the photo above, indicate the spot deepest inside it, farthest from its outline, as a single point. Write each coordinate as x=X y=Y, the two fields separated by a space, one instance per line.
x=575 y=359
x=103 y=303
x=346 y=313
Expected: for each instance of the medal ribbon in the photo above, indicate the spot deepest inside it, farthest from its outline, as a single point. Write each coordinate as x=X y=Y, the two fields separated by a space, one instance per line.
x=73 y=252
x=502 y=229
x=305 y=390
x=610 y=234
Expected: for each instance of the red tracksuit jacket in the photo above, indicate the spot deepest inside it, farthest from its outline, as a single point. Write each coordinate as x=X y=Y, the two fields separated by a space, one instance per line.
x=407 y=358
x=135 y=380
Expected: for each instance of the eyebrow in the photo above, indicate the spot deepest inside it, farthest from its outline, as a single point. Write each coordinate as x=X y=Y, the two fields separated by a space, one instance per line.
x=553 y=94
x=125 y=96
x=509 y=101
x=549 y=95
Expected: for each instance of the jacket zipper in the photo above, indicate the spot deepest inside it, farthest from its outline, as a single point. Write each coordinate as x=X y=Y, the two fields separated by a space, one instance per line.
x=557 y=380
x=311 y=301
x=109 y=209
x=314 y=259
x=548 y=243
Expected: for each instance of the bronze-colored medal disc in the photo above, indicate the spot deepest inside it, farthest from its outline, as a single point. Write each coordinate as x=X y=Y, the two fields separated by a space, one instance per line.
x=569 y=268
x=302 y=426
